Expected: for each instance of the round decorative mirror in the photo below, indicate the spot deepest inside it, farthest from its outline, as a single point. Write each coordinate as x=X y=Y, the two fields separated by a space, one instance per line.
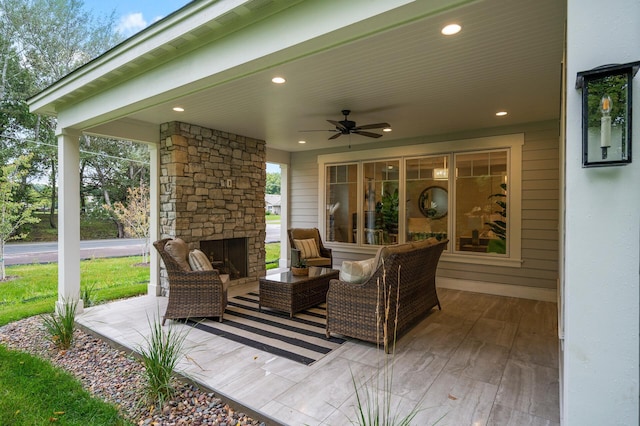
x=434 y=202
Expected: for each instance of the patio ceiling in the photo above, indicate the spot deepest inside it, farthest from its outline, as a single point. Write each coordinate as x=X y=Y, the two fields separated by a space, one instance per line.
x=507 y=57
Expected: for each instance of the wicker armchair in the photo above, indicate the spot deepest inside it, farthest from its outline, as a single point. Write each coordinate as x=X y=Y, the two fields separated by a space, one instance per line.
x=325 y=259
x=405 y=276
x=192 y=294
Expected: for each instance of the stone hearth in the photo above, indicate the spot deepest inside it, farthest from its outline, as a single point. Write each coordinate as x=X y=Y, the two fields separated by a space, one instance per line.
x=212 y=188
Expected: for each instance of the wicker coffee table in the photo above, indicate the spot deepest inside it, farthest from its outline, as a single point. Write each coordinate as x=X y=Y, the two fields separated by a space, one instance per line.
x=289 y=293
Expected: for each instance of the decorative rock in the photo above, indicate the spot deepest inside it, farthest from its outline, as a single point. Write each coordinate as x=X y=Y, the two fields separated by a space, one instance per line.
x=117 y=378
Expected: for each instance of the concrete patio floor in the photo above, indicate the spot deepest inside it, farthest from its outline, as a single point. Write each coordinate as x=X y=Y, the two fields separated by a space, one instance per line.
x=482 y=360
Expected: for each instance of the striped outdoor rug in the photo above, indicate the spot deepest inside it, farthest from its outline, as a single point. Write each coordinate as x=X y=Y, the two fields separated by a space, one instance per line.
x=301 y=338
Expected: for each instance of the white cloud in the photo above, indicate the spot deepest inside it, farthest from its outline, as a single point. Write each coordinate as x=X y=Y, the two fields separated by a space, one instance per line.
x=131 y=24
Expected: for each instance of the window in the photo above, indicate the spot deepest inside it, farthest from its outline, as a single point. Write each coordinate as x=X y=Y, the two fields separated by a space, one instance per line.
x=427 y=188
x=381 y=202
x=465 y=191
x=341 y=203
x=481 y=202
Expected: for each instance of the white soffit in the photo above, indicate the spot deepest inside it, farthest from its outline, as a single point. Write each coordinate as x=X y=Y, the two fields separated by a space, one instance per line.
x=394 y=66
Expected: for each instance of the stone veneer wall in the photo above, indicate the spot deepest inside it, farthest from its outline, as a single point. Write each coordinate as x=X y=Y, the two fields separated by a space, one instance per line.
x=196 y=202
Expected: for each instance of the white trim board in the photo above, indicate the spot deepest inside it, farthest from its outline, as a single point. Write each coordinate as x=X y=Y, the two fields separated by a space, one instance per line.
x=522 y=292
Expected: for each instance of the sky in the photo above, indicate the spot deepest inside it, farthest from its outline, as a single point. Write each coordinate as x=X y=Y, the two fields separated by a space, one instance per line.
x=134 y=15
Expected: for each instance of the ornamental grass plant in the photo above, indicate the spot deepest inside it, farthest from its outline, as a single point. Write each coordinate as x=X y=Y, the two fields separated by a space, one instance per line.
x=160 y=355
x=374 y=400
x=61 y=325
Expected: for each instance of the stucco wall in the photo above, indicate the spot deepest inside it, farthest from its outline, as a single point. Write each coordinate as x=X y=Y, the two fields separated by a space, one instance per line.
x=601 y=282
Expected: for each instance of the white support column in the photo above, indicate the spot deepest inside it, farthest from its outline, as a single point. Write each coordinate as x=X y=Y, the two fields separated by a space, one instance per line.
x=284 y=216
x=154 y=288
x=69 y=219
x=601 y=352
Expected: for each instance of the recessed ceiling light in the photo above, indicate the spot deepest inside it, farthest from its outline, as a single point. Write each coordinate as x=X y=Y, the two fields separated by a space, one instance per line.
x=451 y=29
x=302 y=141
x=178 y=109
x=386 y=129
x=278 y=80
x=501 y=113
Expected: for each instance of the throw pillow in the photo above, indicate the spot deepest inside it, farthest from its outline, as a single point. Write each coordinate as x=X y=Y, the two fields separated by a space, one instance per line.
x=308 y=248
x=357 y=271
x=198 y=261
x=179 y=251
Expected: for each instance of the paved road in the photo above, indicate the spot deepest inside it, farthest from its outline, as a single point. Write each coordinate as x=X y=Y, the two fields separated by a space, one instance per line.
x=273 y=233
x=23 y=253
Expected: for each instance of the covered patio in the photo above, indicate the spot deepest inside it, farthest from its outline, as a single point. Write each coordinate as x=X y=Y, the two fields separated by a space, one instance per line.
x=483 y=359
x=197 y=87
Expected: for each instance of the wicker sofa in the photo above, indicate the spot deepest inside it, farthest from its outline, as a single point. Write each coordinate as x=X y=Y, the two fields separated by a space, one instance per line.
x=404 y=274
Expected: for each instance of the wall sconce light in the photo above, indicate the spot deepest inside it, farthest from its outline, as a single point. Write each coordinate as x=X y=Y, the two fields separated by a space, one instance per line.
x=606 y=114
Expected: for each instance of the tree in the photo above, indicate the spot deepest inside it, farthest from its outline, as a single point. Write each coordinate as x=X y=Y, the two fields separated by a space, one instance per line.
x=47 y=39
x=134 y=215
x=273 y=183
x=13 y=214
x=108 y=167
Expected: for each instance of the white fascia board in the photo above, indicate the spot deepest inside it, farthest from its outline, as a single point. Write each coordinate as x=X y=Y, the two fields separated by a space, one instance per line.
x=302 y=30
x=174 y=26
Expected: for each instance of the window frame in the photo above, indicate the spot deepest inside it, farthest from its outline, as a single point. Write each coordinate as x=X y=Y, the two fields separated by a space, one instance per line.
x=513 y=143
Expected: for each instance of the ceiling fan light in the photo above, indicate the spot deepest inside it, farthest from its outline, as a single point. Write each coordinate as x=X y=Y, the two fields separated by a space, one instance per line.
x=387 y=129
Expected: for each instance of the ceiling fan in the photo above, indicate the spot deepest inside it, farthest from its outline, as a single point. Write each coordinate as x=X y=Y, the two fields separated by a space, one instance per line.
x=347 y=127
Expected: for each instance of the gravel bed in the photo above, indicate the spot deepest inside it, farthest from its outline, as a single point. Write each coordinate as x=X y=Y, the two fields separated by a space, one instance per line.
x=117 y=377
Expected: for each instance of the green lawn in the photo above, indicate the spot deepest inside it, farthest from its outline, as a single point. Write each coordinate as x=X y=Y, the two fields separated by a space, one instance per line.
x=272 y=255
x=33 y=392
x=34 y=290
x=272 y=218
x=90 y=229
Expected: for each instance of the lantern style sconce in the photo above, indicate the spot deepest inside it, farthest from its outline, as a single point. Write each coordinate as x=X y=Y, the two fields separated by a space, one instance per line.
x=606 y=114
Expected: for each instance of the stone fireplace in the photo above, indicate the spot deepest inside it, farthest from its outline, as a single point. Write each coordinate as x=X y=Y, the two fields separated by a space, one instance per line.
x=212 y=192
x=229 y=256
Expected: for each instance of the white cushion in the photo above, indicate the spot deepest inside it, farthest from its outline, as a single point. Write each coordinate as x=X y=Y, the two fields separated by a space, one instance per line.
x=308 y=248
x=357 y=271
x=198 y=261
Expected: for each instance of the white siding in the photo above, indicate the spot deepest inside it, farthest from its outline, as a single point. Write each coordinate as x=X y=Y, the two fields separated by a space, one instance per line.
x=304 y=191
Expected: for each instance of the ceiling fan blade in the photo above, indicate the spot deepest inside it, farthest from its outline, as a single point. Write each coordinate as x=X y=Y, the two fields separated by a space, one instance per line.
x=337 y=135
x=368 y=134
x=373 y=126
x=338 y=124
x=319 y=130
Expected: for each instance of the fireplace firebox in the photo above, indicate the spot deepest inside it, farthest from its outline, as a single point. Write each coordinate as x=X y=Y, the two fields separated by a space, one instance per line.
x=229 y=256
